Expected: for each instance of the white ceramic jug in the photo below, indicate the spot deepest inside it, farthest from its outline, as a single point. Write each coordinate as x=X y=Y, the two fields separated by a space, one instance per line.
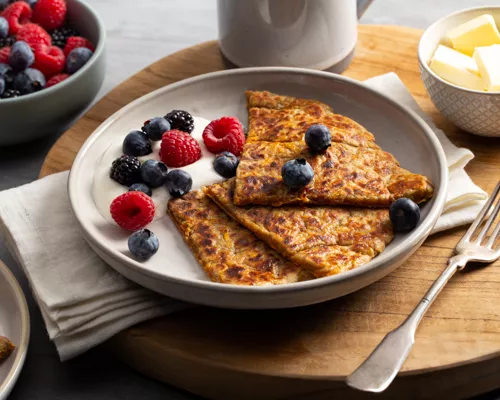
x=318 y=34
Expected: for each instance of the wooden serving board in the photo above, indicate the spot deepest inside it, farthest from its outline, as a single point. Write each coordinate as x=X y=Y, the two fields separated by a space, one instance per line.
x=306 y=353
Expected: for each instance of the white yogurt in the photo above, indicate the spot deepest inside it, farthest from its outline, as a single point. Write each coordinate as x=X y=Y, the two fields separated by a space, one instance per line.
x=105 y=189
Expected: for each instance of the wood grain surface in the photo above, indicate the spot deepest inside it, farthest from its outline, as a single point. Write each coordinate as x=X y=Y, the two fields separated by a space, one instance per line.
x=306 y=353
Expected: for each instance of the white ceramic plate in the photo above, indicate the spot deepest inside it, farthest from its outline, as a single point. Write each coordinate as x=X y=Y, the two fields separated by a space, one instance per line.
x=14 y=324
x=173 y=270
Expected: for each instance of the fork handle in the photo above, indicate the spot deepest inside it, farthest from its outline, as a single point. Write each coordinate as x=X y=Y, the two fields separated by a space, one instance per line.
x=381 y=367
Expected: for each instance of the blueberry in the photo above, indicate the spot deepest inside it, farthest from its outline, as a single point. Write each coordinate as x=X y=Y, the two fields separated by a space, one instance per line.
x=153 y=173
x=2 y=86
x=4 y=28
x=297 y=173
x=32 y=3
x=21 y=56
x=7 y=74
x=4 y=69
x=136 y=144
x=225 y=164
x=318 y=138
x=143 y=244
x=29 y=81
x=141 y=187
x=178 y=183
x=404 y=214
x=77 y=58
x=156 y=127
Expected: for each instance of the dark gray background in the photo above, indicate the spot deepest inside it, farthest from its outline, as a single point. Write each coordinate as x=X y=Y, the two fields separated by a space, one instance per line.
x=135 y=39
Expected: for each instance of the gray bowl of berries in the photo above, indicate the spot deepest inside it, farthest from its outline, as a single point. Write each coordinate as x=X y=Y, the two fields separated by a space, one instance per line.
x=52 y=65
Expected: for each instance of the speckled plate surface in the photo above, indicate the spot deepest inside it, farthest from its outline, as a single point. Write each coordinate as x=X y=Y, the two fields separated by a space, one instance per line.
x=14 y=324
x=173 y=270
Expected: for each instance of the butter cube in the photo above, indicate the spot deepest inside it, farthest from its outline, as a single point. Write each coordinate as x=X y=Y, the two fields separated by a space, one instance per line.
x=480 y=31
x=488 y=62
x=457 y=68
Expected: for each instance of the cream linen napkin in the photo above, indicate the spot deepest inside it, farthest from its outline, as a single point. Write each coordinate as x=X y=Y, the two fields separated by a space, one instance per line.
x=464 y=199
x=84 y=302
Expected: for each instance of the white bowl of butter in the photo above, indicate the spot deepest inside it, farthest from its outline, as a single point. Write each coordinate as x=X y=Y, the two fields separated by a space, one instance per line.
x=459 y=59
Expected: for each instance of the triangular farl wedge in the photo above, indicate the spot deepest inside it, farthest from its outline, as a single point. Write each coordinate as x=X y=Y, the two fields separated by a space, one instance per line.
x=323 y=240
x=227 y=251
x=353 y=171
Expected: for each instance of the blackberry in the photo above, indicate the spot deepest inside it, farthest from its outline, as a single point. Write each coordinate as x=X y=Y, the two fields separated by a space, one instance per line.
x=126 y=170
x=10 y=93
x=60 y=36
x=7 y=41
x=181 y=120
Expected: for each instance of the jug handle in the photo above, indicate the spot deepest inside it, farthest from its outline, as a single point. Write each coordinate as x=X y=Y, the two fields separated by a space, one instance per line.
x=363 y=6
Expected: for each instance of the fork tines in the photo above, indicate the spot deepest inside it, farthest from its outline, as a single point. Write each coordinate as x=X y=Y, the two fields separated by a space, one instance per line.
x=488 y=215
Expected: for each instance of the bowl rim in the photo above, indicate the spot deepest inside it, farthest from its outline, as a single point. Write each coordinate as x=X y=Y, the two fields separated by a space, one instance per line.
x=414 y=238
x=423 y=38
x=22 y=347
x=99 y=49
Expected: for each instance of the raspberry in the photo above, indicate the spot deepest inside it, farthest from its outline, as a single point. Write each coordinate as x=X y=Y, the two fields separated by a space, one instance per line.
x=4 y=55
x=74 y=42
x=50 y=13
x=17 y=14
x=48 y=60
x=225 y=134
x=34 y=34
x=179 y=149
x=132 y=210
x=56 y=79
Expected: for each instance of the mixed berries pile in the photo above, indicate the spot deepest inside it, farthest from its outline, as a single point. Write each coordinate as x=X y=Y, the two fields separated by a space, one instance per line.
x=37 y=48
x=135 y=208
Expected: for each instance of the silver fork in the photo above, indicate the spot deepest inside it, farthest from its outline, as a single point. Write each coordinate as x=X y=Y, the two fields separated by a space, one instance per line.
x=381 y=367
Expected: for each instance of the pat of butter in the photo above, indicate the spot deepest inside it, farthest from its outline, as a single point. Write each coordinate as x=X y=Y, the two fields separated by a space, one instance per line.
x=488 y=62
x=457 y=68
x=480 y=31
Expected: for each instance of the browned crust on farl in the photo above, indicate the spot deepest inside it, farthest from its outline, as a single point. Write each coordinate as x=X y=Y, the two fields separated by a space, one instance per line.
x=227 y=251
x=353 y=171
x=324 y=240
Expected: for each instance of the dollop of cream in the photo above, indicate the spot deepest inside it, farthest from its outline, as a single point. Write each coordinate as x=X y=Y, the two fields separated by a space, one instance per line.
x=105 y=189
